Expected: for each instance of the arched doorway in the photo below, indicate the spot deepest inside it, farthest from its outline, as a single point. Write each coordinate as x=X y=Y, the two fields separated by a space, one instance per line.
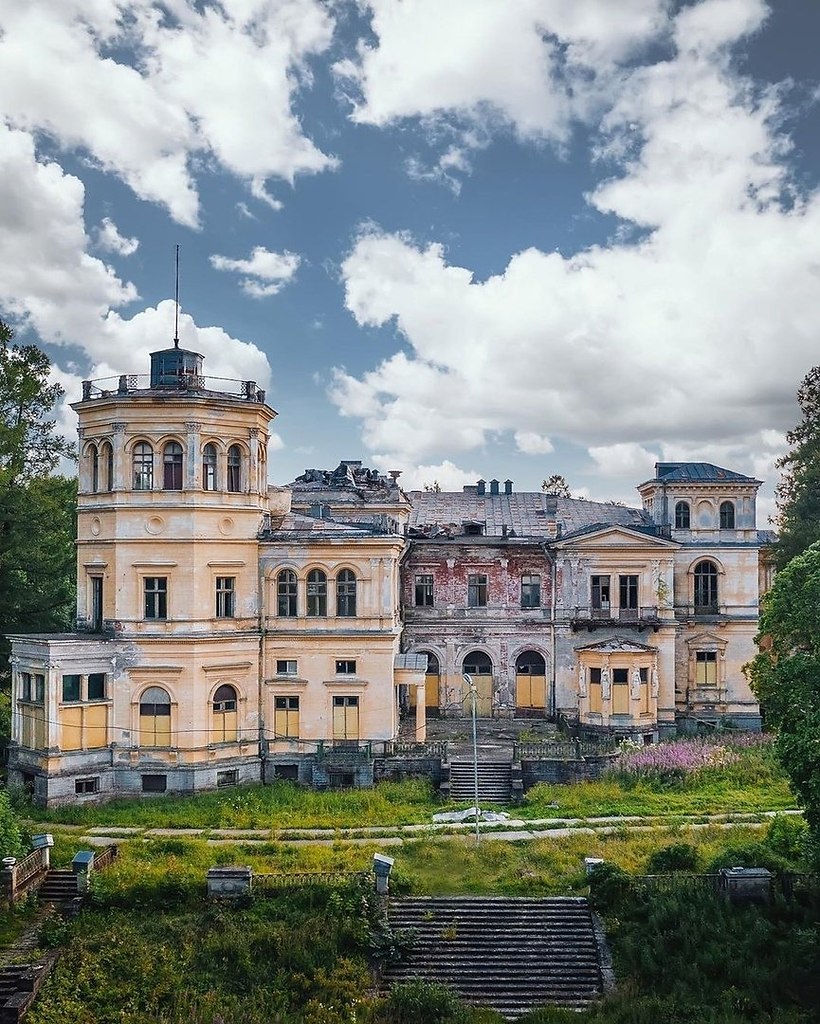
x=479 y=667
x=530 y=684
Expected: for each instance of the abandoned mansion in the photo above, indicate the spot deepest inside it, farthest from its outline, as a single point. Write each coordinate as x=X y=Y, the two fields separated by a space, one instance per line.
x=229 y=631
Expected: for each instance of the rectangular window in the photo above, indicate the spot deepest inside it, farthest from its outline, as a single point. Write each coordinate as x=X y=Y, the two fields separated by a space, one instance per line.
x=530 y=591
x=156 y=597
x=38 y=689
x=285 y=667
x=345 y=668
x=477 y=591
x=96 y=686
x=225 y=590
x=424 y=591
x=600 y=596
x=96 y=603
x=620 y=691
x=706 y=668
x=595 y=690
x=229 y=777
x=628 y=597
x=71 y=688
x=154 y=783
x=345 y=718
x=25 y=686
x=644 y=691
x=82 y=786
x=286 y=717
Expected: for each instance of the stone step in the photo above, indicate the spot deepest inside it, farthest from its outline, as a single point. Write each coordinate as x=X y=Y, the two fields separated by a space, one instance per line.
x=494 y=781
x=505 y=952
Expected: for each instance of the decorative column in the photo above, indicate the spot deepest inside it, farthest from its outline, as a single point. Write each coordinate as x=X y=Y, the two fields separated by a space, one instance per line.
x=120 y=473
x=253 y=466
x=192 y=461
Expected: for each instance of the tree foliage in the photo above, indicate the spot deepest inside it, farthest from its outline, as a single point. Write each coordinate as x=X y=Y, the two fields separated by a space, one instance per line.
x=557 y=485
x=798 y=493
x=37 y=511
x=785 y=676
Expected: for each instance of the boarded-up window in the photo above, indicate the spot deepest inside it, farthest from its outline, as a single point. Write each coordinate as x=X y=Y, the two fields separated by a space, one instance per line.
x=345 y=718
x=644 y=691
x=530 y=680
x=595 y=690
x=224 y=728
x=155 y=718
x=706 y=668
x=286 y=717
x=620 y=691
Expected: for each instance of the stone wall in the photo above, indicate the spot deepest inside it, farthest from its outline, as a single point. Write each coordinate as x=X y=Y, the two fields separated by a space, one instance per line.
x=553 y=770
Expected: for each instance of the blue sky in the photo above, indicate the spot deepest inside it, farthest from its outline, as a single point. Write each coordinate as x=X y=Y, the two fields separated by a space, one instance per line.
x=459 y=238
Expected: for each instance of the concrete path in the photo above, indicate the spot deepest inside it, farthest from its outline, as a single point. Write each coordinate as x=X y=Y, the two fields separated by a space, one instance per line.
x=512 y=830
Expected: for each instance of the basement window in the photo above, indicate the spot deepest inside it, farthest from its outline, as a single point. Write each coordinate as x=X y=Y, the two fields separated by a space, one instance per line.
x=85 y=786
x=154 y=783
x=227 y=778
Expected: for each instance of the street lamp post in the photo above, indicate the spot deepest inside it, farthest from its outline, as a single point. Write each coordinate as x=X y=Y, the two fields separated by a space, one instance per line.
x=473 y=693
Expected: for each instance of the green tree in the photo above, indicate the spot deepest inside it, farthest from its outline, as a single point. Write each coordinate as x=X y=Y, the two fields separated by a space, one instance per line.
x=37 y=511
x=557 y=485
x=785 y=676
x=798 y=493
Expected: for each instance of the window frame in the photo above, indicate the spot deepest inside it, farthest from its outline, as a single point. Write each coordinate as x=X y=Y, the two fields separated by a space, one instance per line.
x=629 y=588
x=317 y=594
x=345 y=667
x=423 y=592
x=157 y=595
x=347 y=586
x=95 y=468
x=478 y=587
x=705 y=584
x=683 y=516
x=142 y=466
x=706 y=658
x=530 y=590
x=173 y=456
x=234 y=469
x=600 y=584
x=210 y=467
x=287 y=594
x=225 y=594
x=287 y=671
x=727 y=515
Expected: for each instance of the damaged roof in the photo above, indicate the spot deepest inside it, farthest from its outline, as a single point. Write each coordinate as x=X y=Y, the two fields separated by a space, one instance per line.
x=698 y=472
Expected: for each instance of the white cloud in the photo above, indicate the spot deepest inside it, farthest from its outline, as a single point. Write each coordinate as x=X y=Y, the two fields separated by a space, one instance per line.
x=268 y=272
x=446 y=474
x=190 y=70
x=530 y=443
x=624 y=459
x=696 y=333
x=109 y=239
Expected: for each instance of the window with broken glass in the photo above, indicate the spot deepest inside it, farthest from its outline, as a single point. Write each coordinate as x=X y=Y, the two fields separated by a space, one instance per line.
x=601 y=596
x=530 y=591
x=424 y=591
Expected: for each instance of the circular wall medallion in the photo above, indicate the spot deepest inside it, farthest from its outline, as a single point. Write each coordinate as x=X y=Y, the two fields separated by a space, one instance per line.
x=226 y=526
x=155 y=524
x=95 y=527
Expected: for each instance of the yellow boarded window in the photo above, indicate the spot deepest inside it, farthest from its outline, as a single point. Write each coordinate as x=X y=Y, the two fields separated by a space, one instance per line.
x=706 y=668
x=595 y=690
x=620 y=691
x=286 y=717
x=345 y=718
x=224 y=727
x=155 y=718
x=644 y=691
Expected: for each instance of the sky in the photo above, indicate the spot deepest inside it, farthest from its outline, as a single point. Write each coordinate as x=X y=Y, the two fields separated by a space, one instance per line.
x=459 y=238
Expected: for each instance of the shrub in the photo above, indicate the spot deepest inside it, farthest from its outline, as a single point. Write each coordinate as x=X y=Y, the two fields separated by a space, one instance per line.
x=11 y=835
x=422 y=1002
x=676 y=857
x=609 y=885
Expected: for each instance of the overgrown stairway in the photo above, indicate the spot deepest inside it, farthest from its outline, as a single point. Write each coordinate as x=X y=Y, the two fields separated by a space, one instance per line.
x=510 y=953
x=494 y=781
x=58 y=887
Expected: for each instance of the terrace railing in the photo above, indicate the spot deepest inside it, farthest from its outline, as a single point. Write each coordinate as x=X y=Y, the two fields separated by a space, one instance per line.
x=188 y=383
x=344 y=752
x=575 y=750
x=397 y=748
x=306 y=879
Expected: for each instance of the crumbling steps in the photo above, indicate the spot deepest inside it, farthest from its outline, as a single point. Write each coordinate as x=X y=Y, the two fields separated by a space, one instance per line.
x=58 y=887
x=509 y=953
x=494 y=781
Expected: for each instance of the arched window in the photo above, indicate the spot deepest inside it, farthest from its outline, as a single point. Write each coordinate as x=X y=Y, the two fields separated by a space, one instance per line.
x=224 y=726
x=433 y=668
x=531 y=681
x=209 y=478
x=155 y=718
x=235 y=468
x=316 y=593
x=286 y=593
x=530 y=663
x=477 y=663
x=172 y=467
x=143 y=466
x=727 y=515
x=107 y=458
x=682 y=515
x=95 y=468
x=706 y=588
x=346 y=593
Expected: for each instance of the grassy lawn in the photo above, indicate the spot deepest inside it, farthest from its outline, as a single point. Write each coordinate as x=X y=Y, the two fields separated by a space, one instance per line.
x=149 y=947
x=710 y=778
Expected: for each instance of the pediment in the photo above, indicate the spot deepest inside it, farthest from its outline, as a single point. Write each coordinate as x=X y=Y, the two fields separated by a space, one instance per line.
x=619 y=645
x=620 y=537
x=704 y=640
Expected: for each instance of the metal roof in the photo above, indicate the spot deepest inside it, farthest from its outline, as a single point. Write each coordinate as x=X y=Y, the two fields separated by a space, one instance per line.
x=700 y=472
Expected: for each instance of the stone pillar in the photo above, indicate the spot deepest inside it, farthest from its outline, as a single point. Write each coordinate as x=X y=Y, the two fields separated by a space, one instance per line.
x=253 y=465
x=421 y=713
x=121 y=474
x=53 y=674
x=193 y=456
x=8 y=879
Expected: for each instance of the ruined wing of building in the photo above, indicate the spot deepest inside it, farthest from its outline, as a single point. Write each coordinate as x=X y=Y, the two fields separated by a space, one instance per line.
x=229 y=631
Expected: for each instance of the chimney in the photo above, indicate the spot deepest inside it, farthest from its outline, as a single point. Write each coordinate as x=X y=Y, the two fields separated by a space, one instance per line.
x=394 y=474
x=508 y=486
x=481 y=486
x=493 y=487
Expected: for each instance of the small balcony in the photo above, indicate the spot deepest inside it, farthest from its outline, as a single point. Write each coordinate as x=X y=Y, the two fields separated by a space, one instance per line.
x=592 y=617
x=194 y=384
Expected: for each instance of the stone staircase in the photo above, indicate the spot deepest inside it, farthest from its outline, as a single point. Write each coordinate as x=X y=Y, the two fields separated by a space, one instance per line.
x=58 y=887
x=494 y=781
x=509 y=953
